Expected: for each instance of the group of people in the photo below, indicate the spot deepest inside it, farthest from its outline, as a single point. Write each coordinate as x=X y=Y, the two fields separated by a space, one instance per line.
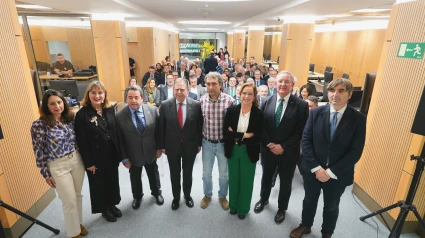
x=229 y=119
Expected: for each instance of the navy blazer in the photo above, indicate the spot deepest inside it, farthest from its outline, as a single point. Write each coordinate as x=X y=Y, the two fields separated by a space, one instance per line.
x=289 y=131
x=194 y=96
x=343 y=151
x=147 y=76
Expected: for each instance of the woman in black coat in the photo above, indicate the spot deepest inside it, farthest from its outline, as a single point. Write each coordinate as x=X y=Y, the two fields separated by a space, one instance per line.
x=96 y=134
x=242 y=128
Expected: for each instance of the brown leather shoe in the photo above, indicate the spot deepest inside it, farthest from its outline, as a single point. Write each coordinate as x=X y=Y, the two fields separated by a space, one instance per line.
x=300 y=231
x=326 y=235
x=84 y=231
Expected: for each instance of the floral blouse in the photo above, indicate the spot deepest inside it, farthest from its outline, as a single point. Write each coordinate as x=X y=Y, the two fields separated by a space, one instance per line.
x=50 y=143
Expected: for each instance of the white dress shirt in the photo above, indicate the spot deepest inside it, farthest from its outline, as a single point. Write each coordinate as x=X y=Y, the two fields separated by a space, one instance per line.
x=339 y=116
x=194 y=90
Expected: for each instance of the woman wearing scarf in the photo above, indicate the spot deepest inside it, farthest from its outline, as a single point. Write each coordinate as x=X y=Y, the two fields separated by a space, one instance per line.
x=151 y=93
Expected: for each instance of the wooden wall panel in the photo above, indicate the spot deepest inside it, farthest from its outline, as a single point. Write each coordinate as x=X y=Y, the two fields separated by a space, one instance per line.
x=229 y=44
x=174 y=51
x=276 y=43
x=131 y=34
x=255 y=43
x=238 y=46
x=385 y=170
x=145 y=44
x=161 y=45
x=21 y=184
x=133 y=52
x=268 y=44
x=352 y=52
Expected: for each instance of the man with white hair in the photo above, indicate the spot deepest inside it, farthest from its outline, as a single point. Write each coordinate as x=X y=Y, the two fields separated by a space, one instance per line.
x=271 y=86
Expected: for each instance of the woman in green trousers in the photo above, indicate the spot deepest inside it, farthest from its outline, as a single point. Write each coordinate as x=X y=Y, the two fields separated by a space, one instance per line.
x=242 y=128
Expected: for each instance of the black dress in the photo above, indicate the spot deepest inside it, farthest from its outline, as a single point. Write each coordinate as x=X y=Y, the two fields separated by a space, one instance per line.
x=98 y=144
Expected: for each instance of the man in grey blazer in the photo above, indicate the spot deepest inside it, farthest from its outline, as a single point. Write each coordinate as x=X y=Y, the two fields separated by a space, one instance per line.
x=196 y=89
x=138 y=134
x=180 y=138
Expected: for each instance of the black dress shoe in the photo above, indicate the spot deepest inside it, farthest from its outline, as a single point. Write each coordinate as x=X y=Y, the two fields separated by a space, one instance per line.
x=259 y=206
x=233 y=212
x=136 y=203
x=109 y=216
x=189 y=201
x=159 y=200
x=241 y=217
x=115 y=211
x=175 y=204
x=280 y=216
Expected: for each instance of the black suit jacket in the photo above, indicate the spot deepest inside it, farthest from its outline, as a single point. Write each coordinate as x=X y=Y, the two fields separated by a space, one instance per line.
x=288 y=133
x=147 y=76
x=343 y=151
x=210 y=64
x=265 y=78
x=92 y=139
x=170 y=133
x=256 y=122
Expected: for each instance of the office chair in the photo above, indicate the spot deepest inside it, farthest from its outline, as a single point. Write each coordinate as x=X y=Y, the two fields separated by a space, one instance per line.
x=313 y=89
x=325 y=93
x=328 y=69
x=345 y=76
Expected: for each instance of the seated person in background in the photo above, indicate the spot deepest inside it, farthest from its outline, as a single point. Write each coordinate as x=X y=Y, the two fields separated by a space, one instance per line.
x=131 y=82
x=151 y=95
x=237 y=96
x=251 y=81
x=159 y=69
x=231 y=89
x=225 y=83
x=305 y=91
x=200 y=77
x=257 y=78
x=148 y=75
x=62 y=66
x=240 y=78
x=271 y=85
x=183 y=73
x=313 y=102
x=296 y=90
x=165 y=72
x=195 y=88
x=262 y=94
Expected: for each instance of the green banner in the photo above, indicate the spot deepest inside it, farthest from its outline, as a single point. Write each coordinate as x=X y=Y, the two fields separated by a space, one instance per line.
x=412 y=50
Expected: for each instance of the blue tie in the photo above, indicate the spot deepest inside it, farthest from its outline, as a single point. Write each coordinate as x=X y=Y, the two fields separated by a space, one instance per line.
x=139 y=124
x=333 y=123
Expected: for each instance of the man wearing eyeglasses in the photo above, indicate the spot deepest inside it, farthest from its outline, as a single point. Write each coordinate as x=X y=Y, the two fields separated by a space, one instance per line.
x=332 y=143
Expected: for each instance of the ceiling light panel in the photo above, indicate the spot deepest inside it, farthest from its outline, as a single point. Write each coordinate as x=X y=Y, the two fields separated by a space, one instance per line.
x=202 y=22
x=30 y=6
x=366 y=10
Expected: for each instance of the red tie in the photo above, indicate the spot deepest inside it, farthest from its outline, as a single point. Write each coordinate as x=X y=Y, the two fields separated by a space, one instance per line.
x=180 y=115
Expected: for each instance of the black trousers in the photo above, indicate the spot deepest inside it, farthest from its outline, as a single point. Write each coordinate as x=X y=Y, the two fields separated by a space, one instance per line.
x=136 y=180
x=332 y=192
x=104 y=188
x=176 y=163
x=286 y=168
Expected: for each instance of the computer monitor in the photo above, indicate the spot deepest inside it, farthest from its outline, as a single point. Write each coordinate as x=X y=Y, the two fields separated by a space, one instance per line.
x=311 y=67
x=328 y=77
x=66 y=87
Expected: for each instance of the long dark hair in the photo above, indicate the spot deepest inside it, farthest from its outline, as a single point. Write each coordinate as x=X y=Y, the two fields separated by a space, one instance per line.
x=46 y=117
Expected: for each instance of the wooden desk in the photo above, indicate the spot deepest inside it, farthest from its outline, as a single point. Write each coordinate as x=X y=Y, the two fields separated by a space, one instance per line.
x=319 y=86
x=56 y=77
x=315 y=75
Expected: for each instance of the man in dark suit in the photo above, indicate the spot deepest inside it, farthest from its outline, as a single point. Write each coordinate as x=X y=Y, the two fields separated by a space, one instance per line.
x=284 y=116
x=262 y=95
x=180 y=138
x=163 y=77
x=332 y=143
x=137 y=133
x=210 y=64
x=265 y=78
x=271 y=86
x=183 y=73
x=257 y=79
x=166 y=92
x=148 y=75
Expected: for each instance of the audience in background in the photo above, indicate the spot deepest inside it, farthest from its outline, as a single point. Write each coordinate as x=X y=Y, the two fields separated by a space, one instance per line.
x=151 y=95
x=312 y=101
x=150 y=74
x=305 y=91
x=131 y=82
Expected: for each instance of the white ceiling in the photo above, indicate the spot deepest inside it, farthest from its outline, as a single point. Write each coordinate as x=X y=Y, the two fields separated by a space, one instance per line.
x=241 y=14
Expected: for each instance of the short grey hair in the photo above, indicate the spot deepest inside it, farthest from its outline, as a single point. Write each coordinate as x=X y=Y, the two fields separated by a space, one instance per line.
x=288 y=73
x=135 y=88
x=263 y=87
x=214 y=75
x=182 y=81
x=313 y=99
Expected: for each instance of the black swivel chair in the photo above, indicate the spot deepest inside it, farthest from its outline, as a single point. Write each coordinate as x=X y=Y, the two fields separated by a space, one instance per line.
x=313 y=89
x=345 y=76
x=328 y=69
x=325 y=93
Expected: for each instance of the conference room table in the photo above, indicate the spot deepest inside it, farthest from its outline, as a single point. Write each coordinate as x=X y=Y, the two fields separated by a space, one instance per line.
x=318 y=85
x=56 y=77
x=315 y=75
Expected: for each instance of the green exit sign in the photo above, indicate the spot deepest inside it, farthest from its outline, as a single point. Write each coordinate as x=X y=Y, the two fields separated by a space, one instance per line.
x=412 y=50
x=128 y=39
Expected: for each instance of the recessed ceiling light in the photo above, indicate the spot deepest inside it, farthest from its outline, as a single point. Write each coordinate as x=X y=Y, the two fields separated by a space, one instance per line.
x=216 y=0
x=203 y=29
x=30 y=6
x=371 y=10
x=301 y=19
x=202 y=22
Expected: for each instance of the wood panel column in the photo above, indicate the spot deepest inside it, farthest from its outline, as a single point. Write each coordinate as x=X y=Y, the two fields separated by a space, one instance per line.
x=110 y=42
x=276 y=43
x=295 y=50
x=21 y=184
x=230 y=44
x=239 y=45
x=385 y=171
x=255 y=45
x=174 y=46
